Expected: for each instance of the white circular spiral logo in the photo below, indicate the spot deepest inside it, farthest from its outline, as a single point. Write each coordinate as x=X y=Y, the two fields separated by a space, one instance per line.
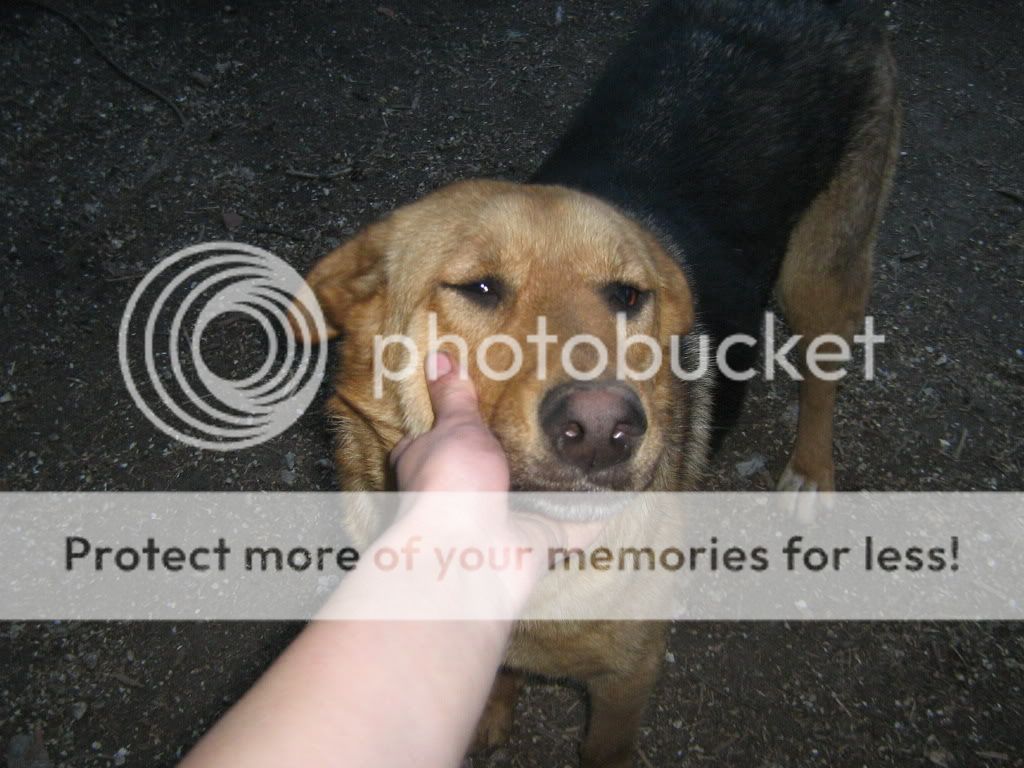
x=185 y=293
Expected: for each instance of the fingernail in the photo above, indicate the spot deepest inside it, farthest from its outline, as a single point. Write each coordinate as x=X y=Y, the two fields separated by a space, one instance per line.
x=438 y=365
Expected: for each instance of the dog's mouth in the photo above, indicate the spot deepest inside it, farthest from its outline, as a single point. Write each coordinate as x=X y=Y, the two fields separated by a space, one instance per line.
x=575 y=497
x=574 y=507
x=545 y=474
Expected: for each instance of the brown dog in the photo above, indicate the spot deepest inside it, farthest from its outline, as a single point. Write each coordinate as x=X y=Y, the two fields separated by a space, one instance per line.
x=731 y=148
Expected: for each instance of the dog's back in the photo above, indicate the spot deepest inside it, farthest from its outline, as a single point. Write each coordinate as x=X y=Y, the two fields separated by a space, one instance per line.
x=717 y=125
x=753 y=141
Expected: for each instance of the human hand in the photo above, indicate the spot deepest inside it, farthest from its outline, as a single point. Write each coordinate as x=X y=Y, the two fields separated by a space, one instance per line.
x=459 y=453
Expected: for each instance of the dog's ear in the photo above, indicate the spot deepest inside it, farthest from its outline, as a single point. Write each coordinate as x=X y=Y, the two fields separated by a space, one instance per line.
x=343 y=282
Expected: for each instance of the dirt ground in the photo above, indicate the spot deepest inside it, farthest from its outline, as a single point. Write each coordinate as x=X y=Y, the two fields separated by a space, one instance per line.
x=306 y=120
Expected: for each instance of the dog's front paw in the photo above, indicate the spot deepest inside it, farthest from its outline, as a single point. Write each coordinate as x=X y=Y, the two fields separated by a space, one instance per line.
x=806 y=493
x=495 y=725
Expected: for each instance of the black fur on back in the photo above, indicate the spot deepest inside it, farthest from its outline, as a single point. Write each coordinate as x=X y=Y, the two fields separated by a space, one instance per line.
x=717 y=125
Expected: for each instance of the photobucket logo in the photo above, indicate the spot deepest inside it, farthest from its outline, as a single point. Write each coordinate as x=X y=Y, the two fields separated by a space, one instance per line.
x=689 y=357
x=177 y=302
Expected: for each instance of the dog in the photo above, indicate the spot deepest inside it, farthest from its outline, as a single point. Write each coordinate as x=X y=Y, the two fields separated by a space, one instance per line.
x=731 y=149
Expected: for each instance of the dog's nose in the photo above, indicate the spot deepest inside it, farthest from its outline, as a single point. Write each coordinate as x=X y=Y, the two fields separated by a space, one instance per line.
x=593 y=426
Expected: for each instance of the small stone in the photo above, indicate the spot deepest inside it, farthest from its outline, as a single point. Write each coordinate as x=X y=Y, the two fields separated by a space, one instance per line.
x=78 y=710
x=121 y=756
x=288 y=477
x=939 y=756
x=792 y=414
x=751 y=466
x=232 y=220
x=200 y=79
x=25 y=751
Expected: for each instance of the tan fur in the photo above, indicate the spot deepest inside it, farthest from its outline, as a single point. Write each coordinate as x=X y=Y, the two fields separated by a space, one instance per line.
x=495 y=724
x=555 y=248
x=550 y=245
x=825 y=279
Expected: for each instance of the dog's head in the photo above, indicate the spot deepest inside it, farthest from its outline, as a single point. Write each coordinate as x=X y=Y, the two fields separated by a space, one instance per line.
x=488 y=269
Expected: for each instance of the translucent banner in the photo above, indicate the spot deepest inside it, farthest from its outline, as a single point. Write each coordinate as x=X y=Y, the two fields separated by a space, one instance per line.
x=252 y=556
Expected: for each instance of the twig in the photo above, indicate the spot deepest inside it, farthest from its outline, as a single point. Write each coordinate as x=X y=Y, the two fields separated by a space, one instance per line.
x=317 y=176
x=912 y=256
x=123 y=678
x=742 y=702
x=265 y=230
x=960 y=445
x=72 y=22
x=1017 y=197
x=121 y=278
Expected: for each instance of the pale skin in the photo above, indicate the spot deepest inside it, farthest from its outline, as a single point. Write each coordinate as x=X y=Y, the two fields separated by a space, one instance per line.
x=398 y=693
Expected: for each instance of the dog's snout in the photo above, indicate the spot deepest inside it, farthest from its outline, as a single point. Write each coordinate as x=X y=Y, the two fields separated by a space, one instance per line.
x=593 y=427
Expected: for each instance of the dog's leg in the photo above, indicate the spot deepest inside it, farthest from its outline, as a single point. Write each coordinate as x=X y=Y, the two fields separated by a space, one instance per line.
x=820 y=294
x=825 y=277
x=496 y=721
x=617 y=704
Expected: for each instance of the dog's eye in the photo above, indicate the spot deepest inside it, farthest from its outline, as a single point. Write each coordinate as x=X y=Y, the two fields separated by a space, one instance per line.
x=622 y=297
x=485 y=292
